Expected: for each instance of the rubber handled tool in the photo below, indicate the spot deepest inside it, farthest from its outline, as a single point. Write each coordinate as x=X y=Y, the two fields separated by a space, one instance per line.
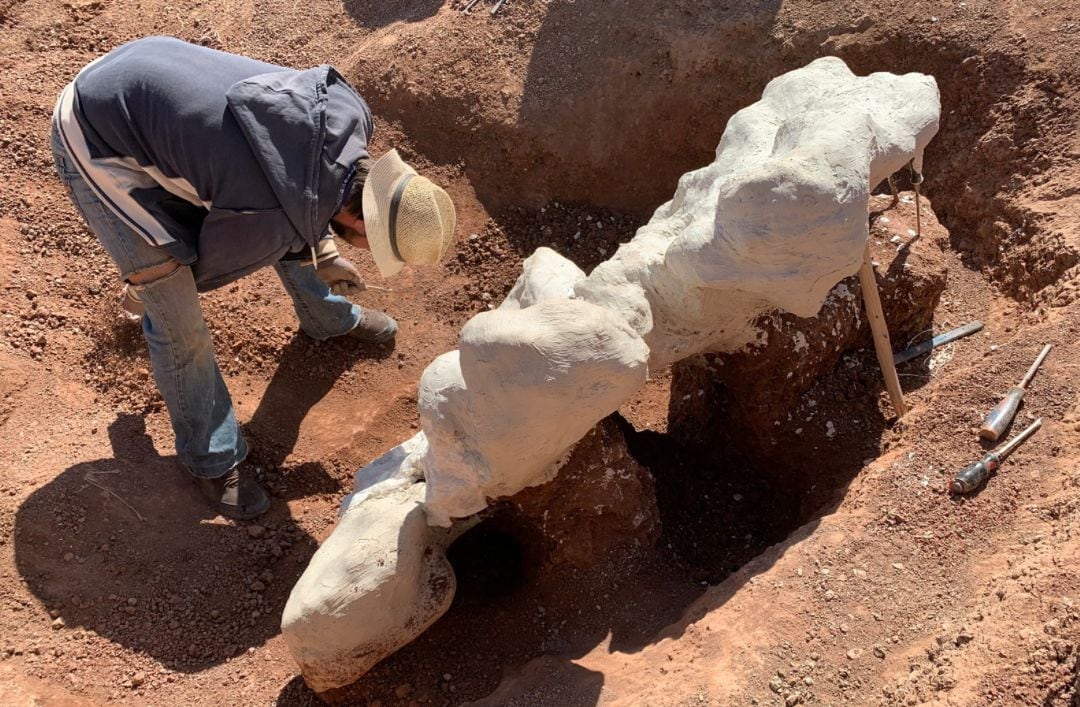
x=999 y=418
x=973 y=476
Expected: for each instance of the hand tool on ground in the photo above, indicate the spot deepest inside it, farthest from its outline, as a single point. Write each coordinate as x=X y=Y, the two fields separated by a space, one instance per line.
x=377 y=288
x=498 y=5
x=469 y=5
x=973 y=476
x=999 y=418
x=939 y=340
x=880 y=330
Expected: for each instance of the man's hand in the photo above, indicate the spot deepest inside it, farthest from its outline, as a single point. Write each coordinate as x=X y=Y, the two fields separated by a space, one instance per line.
x=341 y=276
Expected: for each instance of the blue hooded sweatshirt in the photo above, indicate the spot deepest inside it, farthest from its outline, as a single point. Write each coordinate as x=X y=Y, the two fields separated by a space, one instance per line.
x=225 y=162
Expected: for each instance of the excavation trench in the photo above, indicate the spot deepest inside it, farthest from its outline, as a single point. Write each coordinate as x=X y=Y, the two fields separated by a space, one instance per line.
x=640 y=521
x=611 y=115
x=752 y=445
x=731 y=474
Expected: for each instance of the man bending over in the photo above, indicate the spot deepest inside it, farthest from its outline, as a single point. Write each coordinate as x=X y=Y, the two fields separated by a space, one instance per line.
x=195 y=167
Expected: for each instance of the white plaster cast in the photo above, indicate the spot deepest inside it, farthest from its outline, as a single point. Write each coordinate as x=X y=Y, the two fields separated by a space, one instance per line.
x=375 y=584
x=545 y=275
x=774 y=222
x=398 y=468
x=526 y=385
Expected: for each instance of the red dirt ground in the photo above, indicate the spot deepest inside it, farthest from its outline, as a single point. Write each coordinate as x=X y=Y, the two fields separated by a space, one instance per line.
x=549 y=121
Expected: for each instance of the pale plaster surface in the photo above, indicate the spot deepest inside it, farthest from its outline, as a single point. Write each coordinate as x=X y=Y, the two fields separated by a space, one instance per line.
x=777 y=219
x=369 y=590
x=525 y=386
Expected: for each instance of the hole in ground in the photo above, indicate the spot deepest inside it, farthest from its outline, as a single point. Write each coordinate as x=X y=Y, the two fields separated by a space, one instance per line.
x=488 y=560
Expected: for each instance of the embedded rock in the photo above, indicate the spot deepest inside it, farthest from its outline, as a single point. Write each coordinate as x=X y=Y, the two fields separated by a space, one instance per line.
x=602 y=502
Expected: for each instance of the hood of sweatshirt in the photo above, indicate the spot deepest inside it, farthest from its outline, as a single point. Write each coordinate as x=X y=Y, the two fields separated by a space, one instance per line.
x=306 y=129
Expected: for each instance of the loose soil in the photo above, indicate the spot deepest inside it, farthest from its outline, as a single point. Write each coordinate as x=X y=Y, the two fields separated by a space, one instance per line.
x=561 y=124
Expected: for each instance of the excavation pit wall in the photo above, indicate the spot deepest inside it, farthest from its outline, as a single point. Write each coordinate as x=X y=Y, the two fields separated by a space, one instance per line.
x=598 y=107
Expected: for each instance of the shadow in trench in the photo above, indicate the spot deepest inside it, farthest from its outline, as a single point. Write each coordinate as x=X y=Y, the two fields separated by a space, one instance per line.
x=373 y=15
x=307 y=370
x=516 y=614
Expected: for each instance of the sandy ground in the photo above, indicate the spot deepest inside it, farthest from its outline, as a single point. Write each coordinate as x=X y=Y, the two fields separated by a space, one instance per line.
x=116 y=585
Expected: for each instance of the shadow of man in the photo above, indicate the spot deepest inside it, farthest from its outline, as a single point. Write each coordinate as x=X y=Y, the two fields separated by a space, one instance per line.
x=373 y=15
x=307 y=371
x=126 y=548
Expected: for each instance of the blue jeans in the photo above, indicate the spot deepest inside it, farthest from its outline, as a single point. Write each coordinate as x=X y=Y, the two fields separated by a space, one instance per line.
x=208 y=438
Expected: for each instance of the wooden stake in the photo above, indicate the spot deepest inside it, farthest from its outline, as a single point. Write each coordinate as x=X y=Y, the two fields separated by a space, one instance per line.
x=918 y=212
x=882 y=345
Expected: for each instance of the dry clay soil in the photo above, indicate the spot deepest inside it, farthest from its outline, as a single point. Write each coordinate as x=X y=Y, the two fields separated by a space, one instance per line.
x=564 y=124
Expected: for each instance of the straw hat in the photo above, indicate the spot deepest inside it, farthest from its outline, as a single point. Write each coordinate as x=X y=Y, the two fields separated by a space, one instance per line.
x=409 y=220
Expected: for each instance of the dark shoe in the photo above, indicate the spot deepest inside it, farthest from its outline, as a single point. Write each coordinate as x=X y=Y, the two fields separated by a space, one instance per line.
x=374 y=327
x=237 y=494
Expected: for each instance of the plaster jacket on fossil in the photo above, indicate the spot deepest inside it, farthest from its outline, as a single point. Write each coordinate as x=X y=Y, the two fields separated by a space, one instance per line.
x=775 y=222
x=777 y=219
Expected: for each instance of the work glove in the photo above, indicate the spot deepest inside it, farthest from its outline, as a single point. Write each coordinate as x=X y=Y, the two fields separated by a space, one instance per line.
x=339 y=274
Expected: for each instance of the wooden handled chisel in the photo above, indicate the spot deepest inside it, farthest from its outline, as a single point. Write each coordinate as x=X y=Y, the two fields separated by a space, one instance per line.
x=1002 y=414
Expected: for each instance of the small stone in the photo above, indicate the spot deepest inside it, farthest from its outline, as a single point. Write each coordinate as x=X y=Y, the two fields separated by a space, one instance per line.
x=258 y=586
x=138 y=679
x=256 y=531
x=447 y=677
x=58 y=623
x=402 y=691
x=854 y=653
x=68 y=557
x=879 y=652
x=792 y=699
x=830 y=595
x=776 y=685
x=132 y=601
x=898 y=566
